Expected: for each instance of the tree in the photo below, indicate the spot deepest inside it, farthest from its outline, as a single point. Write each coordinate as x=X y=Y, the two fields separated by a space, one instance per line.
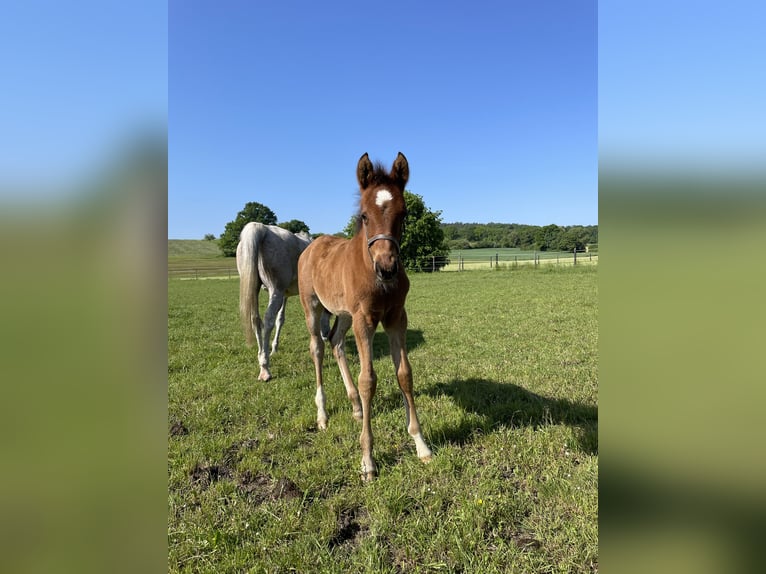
x=547 y=237
x=253 y=211
x=570 y=240
x=422 y=239
x=209 y=237
x=295 y=225
x=423 y=243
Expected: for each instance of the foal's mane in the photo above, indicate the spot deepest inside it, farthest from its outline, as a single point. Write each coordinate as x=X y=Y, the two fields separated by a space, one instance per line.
x=379 y=175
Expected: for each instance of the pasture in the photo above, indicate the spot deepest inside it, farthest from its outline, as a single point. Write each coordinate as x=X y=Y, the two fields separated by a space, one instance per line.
x=512 y=257
x=505 y=374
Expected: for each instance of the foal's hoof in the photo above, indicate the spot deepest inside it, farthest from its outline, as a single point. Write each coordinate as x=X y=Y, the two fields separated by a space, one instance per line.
x=264 y=376
x=369 y=472
x=426 y=459
x=369 y=476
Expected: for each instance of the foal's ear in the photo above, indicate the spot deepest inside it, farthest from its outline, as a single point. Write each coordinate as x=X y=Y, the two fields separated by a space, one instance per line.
x=400 y=172
x=364 y=171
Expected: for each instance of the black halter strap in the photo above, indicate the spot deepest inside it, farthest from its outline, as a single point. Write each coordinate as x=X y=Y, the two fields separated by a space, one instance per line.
x=375 y=238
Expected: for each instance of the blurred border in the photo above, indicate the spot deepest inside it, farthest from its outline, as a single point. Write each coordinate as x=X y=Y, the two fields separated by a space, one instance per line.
x=83 y=294
x=682 y=213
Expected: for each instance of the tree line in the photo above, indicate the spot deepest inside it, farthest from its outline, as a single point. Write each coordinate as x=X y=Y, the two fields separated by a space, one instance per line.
x=426 y=240
x=526 y=237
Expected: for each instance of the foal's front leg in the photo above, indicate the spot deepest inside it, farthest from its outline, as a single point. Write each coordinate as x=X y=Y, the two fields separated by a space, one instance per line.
x=397 y=333
x=364 y=332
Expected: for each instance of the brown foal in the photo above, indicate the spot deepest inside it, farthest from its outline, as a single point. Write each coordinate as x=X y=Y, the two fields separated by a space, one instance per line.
x=362 y=282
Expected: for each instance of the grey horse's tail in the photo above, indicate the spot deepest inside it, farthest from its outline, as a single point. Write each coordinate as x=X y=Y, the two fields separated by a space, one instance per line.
x=249 y=280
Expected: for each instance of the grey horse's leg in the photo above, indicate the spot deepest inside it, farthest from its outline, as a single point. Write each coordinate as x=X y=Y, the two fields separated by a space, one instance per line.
x=276 y=299
x=278 y=326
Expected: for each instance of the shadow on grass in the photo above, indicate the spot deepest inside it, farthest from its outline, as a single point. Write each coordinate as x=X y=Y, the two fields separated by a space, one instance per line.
x=506 y=404
x=380 y=347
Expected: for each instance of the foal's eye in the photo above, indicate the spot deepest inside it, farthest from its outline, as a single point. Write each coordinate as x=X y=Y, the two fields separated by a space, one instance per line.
x=364 y=218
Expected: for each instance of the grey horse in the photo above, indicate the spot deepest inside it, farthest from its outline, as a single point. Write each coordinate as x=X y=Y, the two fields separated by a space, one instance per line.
x=267 y=256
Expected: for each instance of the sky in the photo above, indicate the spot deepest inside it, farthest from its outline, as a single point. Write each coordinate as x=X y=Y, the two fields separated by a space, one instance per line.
x=681 y=85
x=80 y=81
x=493 y=103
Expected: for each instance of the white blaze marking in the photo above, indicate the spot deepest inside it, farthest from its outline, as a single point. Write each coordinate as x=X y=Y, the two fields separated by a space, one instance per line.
x=382 y=197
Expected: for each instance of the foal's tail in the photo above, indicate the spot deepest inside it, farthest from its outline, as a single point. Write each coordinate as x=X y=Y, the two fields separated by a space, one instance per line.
x=249 y=280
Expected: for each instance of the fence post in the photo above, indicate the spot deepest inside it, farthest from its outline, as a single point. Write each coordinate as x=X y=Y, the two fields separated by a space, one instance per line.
x=433 y=263
x=496 y=261
x=575 y=255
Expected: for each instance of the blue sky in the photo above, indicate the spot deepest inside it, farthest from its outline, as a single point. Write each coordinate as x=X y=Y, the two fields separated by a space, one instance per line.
x=681 y=85
x=493 y=103
x=80 y=80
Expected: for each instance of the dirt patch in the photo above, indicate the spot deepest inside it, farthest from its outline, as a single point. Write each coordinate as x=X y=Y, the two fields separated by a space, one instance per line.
x=525 y=542
x=253 y=485
x=178 y=429
x=286 y=488
x=204 y=476
x=233 y=454
x=348 y=530
x=261 y=487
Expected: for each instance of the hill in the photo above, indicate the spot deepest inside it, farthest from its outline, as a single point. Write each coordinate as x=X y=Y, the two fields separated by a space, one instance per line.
x=193 y=249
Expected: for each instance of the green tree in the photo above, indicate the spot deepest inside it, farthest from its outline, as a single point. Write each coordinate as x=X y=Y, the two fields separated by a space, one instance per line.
x=570 y=240
x=350 y=229
x=547 y=238
x=423 y=237
x=423 y=242
x=253 y=211
x=209 y=237
x=295 y=225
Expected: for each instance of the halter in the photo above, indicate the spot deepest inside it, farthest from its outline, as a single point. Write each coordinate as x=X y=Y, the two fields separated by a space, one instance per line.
x=379 y=236
x=375 y=238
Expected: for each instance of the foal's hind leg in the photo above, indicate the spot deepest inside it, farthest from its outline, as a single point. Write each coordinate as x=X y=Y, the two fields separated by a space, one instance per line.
x=338 y=342
x=313 y=310
x=397 y=340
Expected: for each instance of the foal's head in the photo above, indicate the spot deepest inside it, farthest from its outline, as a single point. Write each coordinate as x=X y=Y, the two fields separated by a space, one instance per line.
x=382 y=212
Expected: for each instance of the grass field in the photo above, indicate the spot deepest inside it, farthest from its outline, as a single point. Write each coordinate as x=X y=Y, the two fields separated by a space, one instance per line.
x=198 y=258
x=505 y=371
x=508 y=257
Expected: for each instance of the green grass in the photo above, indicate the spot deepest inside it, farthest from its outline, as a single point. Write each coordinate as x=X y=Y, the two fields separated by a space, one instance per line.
x=198 y=258
x=193 y=249
x=505 y=371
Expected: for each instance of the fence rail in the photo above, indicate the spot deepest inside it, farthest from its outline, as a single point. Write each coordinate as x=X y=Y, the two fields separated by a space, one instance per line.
x=456 y=262
x=503 y=260
x=203 y=272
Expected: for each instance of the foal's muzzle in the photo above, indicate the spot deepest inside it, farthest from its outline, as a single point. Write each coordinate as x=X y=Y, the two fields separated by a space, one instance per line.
x=383 y=273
